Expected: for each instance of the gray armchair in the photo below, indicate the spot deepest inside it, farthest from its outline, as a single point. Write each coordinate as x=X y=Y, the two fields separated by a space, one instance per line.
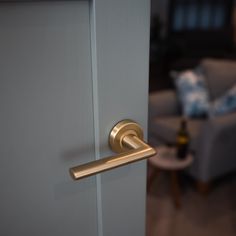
x=213 y=140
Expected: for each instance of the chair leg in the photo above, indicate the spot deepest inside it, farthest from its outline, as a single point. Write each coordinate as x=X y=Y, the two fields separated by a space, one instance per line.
x=203 y=187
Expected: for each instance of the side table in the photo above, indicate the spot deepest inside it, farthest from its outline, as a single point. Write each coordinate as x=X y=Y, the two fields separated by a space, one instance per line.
x=166 y=159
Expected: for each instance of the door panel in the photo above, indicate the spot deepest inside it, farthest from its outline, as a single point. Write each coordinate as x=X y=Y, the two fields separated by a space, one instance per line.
x=122 y=49
x=46 y=119
x=69 y=71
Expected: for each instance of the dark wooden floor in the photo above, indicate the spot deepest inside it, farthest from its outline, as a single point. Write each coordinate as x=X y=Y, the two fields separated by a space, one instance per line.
x=211 y=215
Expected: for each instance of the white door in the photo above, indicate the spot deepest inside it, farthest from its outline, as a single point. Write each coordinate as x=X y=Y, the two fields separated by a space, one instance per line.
x=69 y=71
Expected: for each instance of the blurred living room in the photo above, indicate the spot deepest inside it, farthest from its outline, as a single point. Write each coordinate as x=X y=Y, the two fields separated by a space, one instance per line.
x=192 y=86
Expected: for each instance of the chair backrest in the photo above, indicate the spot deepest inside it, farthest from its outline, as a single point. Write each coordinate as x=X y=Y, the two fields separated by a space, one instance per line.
x=220 y=75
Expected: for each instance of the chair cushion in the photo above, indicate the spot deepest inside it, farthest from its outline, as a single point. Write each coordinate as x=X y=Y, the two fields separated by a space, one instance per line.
x=220 y=75
x=225 y=104
x=165 y=129
x=192 y=92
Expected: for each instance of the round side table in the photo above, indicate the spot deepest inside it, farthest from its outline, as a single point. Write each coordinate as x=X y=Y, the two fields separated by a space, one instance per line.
x=166 y=159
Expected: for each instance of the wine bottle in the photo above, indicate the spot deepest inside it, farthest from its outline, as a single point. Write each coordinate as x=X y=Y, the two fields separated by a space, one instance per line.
x=183 y=140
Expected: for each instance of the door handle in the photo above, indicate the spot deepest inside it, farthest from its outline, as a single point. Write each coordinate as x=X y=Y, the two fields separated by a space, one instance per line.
x=126 y=139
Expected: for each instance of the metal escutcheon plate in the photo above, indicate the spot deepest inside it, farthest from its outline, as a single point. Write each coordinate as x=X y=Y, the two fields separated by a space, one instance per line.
x=122 y=129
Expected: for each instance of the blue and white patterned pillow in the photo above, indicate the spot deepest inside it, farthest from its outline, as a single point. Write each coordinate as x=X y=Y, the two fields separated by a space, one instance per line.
x=224 y=104
x=193 y=93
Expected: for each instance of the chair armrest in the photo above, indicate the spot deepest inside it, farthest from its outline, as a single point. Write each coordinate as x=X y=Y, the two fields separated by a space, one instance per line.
x=222 y=122
x=217 y=125
x=163 y=103
x=216 y=149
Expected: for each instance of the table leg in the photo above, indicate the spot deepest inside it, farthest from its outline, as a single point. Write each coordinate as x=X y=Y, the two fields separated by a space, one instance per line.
x=154 y=174
x=175 y=190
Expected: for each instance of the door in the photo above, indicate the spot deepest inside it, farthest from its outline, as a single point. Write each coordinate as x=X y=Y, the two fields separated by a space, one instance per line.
x=69 y=71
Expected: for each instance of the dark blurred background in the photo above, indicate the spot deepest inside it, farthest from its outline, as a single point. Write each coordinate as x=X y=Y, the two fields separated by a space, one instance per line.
x=185 y=31
x=183 y=34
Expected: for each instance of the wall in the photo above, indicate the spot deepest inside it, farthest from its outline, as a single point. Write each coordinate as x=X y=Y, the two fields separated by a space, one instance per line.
x=234 y=23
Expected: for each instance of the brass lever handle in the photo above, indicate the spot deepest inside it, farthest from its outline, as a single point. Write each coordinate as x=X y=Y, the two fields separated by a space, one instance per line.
x=125 y=139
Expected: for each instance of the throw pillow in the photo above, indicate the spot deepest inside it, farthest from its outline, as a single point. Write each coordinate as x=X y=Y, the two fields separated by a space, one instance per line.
x=225 y=104
x=192 y=92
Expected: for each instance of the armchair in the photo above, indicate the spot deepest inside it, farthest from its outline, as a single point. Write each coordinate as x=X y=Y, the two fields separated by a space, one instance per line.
x=213 y=140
